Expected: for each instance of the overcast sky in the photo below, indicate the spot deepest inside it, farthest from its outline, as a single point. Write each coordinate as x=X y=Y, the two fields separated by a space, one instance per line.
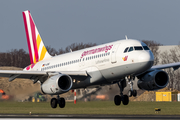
x=63 y=22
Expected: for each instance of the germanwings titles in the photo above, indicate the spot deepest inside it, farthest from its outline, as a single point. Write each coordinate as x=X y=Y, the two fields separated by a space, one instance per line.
x=93 y=51
x=117 y=62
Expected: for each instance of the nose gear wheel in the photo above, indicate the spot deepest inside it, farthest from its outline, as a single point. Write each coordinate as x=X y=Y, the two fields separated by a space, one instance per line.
x=131 y=92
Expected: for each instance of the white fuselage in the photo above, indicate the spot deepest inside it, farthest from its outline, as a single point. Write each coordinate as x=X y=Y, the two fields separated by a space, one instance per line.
x=104 y=63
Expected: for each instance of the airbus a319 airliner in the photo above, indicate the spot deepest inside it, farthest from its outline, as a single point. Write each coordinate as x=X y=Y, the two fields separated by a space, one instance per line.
x=117 y=62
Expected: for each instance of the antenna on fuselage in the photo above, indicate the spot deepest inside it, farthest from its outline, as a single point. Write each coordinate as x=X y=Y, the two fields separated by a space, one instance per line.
x=70 y=50
x=126 y=37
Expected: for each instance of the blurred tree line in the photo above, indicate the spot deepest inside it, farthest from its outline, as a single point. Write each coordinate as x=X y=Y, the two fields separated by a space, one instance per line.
x=17 y=58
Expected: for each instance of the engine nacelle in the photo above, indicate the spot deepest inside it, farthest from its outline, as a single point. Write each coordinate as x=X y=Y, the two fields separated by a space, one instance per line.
x=153 y=80
x=57 y=84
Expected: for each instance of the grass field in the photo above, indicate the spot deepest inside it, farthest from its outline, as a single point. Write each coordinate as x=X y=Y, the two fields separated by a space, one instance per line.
x=93 y=107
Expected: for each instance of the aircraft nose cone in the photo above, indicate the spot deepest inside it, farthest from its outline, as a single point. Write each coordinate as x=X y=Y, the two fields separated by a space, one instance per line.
x=146 y=56
x=146 y=60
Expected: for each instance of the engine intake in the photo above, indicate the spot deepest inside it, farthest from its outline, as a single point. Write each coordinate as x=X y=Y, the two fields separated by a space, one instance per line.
x=57 y=84
x=153 y=80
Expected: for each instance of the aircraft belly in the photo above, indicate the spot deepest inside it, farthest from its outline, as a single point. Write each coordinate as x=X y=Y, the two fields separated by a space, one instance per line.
x=121 y=71
x=95 y=78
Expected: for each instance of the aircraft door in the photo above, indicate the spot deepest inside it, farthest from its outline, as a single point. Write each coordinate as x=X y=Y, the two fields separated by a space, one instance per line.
x=113 y=54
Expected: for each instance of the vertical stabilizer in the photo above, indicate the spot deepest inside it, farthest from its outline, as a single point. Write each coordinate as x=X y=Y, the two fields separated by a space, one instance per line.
x=37 y=50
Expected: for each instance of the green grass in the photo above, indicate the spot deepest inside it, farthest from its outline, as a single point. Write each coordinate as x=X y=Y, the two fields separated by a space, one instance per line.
x=93 y=107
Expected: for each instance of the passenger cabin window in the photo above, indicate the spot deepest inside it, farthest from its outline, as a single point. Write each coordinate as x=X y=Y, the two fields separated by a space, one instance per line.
x=126 y=49
x=145 y=47
x=138 y=48
x=130 y=49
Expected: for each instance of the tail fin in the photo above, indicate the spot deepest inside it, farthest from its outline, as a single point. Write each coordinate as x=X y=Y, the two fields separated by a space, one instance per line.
x=37 y=50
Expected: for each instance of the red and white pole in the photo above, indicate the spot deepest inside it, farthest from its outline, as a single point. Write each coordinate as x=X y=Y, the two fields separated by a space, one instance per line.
x=75 y=96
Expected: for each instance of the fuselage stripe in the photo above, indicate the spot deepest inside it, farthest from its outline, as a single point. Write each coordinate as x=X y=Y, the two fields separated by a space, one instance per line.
x=43 y=52
x=38 y=42
x=27 y=36
x=34 y=39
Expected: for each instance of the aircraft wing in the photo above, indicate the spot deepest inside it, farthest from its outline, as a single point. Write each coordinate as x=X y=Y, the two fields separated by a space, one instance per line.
x=40 y=75
x=175 y=66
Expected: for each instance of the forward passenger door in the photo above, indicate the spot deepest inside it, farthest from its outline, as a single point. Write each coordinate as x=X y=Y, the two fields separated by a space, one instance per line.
x=113 y=54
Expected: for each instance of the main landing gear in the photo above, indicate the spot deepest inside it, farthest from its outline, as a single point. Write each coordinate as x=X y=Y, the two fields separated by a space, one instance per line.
x=121 y=97
x=60 y=101
x=131 y=92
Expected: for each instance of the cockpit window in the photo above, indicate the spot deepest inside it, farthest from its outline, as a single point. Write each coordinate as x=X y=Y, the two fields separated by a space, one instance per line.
x=126 y=49
x=138 y=48
x=130 y=49
x=145 y=47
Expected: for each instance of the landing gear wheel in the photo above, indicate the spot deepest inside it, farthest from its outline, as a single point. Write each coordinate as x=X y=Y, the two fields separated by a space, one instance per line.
x=117 y=100
x=53 y=102
x=134 y=93
x=62 y=103
x=130 y=93
x=125 y=100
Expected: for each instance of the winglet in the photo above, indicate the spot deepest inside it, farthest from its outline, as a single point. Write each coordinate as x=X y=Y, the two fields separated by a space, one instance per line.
x=37 y=50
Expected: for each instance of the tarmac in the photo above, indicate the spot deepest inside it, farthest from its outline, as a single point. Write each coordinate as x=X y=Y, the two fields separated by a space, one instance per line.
x=119 y=117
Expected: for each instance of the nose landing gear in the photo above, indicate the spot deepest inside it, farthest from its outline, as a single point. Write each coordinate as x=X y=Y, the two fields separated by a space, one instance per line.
x=131 y=92
x=61 y=101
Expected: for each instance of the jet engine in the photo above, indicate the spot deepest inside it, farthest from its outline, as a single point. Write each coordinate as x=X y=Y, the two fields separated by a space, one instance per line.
x=153 y=80
x=57 y=84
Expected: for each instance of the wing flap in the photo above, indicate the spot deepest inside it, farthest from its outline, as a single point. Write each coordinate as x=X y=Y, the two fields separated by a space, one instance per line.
x=13 y=77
